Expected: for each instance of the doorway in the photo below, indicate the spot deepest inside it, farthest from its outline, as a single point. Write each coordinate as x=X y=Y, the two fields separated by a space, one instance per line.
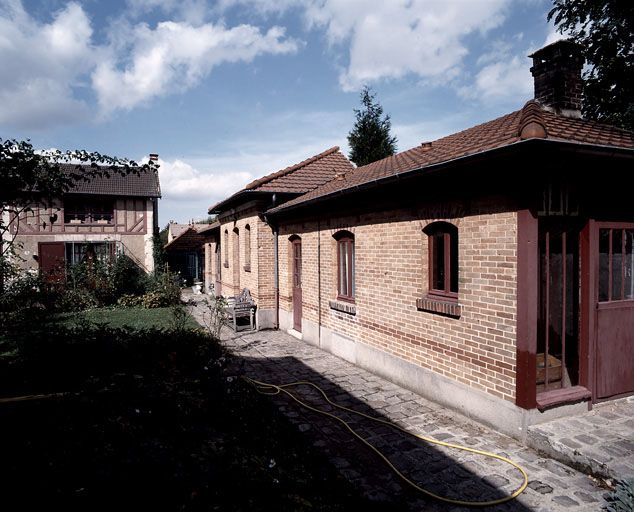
x=297 y=283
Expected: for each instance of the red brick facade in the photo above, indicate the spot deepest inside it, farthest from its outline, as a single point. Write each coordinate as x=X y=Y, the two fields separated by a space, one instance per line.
x=391 y=274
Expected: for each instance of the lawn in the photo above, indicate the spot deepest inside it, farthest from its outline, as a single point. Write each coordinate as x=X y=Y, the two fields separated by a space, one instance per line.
x=134 y=318
x=151 y=421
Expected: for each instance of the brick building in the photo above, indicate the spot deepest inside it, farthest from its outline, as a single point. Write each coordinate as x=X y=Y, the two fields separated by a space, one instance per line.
x=242 y=252
x=491 y=270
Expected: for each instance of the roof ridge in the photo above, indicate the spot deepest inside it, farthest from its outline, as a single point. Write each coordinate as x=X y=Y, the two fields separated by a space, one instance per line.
x=532 y=124
x=287 y=170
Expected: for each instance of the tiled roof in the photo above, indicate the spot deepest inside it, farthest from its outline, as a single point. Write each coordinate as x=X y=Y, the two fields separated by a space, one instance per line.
x=144 y=184
x=190 y=238
x=299 y=178
x=532 y=121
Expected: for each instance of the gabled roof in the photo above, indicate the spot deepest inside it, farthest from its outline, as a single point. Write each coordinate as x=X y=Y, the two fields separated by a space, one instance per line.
x=143 y=184
x=297 y=179
x=190 y=236
x=531 y=122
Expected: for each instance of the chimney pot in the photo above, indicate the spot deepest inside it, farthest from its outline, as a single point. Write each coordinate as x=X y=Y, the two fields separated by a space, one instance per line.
x=153 y=157
x=557 y=77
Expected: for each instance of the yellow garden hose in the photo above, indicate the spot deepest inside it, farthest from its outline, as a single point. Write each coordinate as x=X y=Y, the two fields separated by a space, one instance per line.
x=273 y=389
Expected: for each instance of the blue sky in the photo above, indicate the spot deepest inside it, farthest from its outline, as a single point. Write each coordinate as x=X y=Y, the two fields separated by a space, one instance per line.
x=229 y=90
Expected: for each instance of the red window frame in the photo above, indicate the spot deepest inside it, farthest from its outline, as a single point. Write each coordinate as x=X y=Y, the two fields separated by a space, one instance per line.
x=442 y=260
x=345 y=266
x=247 y=248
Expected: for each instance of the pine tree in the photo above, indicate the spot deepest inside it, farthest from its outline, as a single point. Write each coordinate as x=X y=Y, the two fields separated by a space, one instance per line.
x=370 y=138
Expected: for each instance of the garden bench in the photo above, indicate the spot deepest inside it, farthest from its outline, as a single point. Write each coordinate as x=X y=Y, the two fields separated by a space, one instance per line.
x=241 y=306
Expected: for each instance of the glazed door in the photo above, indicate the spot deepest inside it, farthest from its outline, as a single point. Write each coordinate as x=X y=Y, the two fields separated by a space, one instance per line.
x=615 y=311
x=52 y=260
x=297 y=285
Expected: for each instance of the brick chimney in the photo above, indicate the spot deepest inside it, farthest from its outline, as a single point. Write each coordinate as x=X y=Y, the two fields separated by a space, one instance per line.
x=154 y=157
x=557 y=74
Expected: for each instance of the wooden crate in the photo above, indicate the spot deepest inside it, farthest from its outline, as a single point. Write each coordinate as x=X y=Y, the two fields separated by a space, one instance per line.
x=554 y=369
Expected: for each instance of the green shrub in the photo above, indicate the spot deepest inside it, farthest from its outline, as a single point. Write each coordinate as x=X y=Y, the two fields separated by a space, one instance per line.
x=622 y=498
x=78 y=299
x=129 y=301
x=127 y=278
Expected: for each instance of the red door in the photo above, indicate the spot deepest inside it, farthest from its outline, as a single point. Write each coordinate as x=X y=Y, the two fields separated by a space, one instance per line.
x=297 y=285
x=615 y=311
x=51 y=259
x=218 y=287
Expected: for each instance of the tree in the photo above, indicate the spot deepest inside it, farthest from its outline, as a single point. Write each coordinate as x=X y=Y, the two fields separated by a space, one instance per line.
x=370 y=138
x=30 y=178
x=605 y=31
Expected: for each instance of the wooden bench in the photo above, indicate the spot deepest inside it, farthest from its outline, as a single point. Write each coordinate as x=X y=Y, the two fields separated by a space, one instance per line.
x=241 y=306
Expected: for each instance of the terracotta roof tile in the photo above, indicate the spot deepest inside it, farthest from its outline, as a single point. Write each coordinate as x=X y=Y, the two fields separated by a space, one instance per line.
x=499 y=132
x=300 y=178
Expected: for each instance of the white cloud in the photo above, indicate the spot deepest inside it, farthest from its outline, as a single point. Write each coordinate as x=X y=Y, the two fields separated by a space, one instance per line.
x=508 y=79
x=45 y=64
x=393 y=38
x=175 y=56
x=41 y=64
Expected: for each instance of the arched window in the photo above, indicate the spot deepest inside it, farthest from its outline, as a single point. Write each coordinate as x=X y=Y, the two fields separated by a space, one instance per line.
x=443 y=260
x=226 y=248
x=247 y=248
x=345 y=265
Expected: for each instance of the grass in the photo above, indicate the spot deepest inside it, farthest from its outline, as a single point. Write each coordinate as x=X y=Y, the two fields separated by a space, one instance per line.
x=153 y=423
x=134 y=318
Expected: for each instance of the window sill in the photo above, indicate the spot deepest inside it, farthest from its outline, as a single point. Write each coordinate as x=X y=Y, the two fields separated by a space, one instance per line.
x=562 y=396
x=445 y=307
x=344 y=307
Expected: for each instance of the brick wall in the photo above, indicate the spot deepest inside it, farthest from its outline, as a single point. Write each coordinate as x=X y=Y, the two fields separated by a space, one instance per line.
x=259 y=278
x=391 y=253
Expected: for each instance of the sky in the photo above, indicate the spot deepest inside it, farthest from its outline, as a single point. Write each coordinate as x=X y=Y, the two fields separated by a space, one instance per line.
x=228 y=91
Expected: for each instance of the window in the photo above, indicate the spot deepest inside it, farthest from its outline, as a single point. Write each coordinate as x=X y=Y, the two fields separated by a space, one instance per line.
x=247 y=248
x=616 y=264
x=345 y=265
x=443 y=260
x=226 y=248
x=82 y=252
x=88 y=211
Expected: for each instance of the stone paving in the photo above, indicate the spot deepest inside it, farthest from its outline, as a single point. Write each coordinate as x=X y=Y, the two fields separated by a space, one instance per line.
x=276 y=357
x=600 y=441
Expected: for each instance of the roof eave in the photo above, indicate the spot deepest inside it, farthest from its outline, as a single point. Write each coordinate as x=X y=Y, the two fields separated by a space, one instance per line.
x=437 y=167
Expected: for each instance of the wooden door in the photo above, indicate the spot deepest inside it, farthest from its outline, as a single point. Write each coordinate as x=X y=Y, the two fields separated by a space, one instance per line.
x=297 y=285
x=218 y=286
x=615 y=311
x=52 y=261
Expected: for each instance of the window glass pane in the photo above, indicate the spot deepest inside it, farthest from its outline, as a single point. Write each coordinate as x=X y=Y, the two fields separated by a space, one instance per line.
x=604 y=265
x=617 y=262
x=352 y=265
x=343 y=271
x=438 y=261
x=629 y=264
x=454 y=262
